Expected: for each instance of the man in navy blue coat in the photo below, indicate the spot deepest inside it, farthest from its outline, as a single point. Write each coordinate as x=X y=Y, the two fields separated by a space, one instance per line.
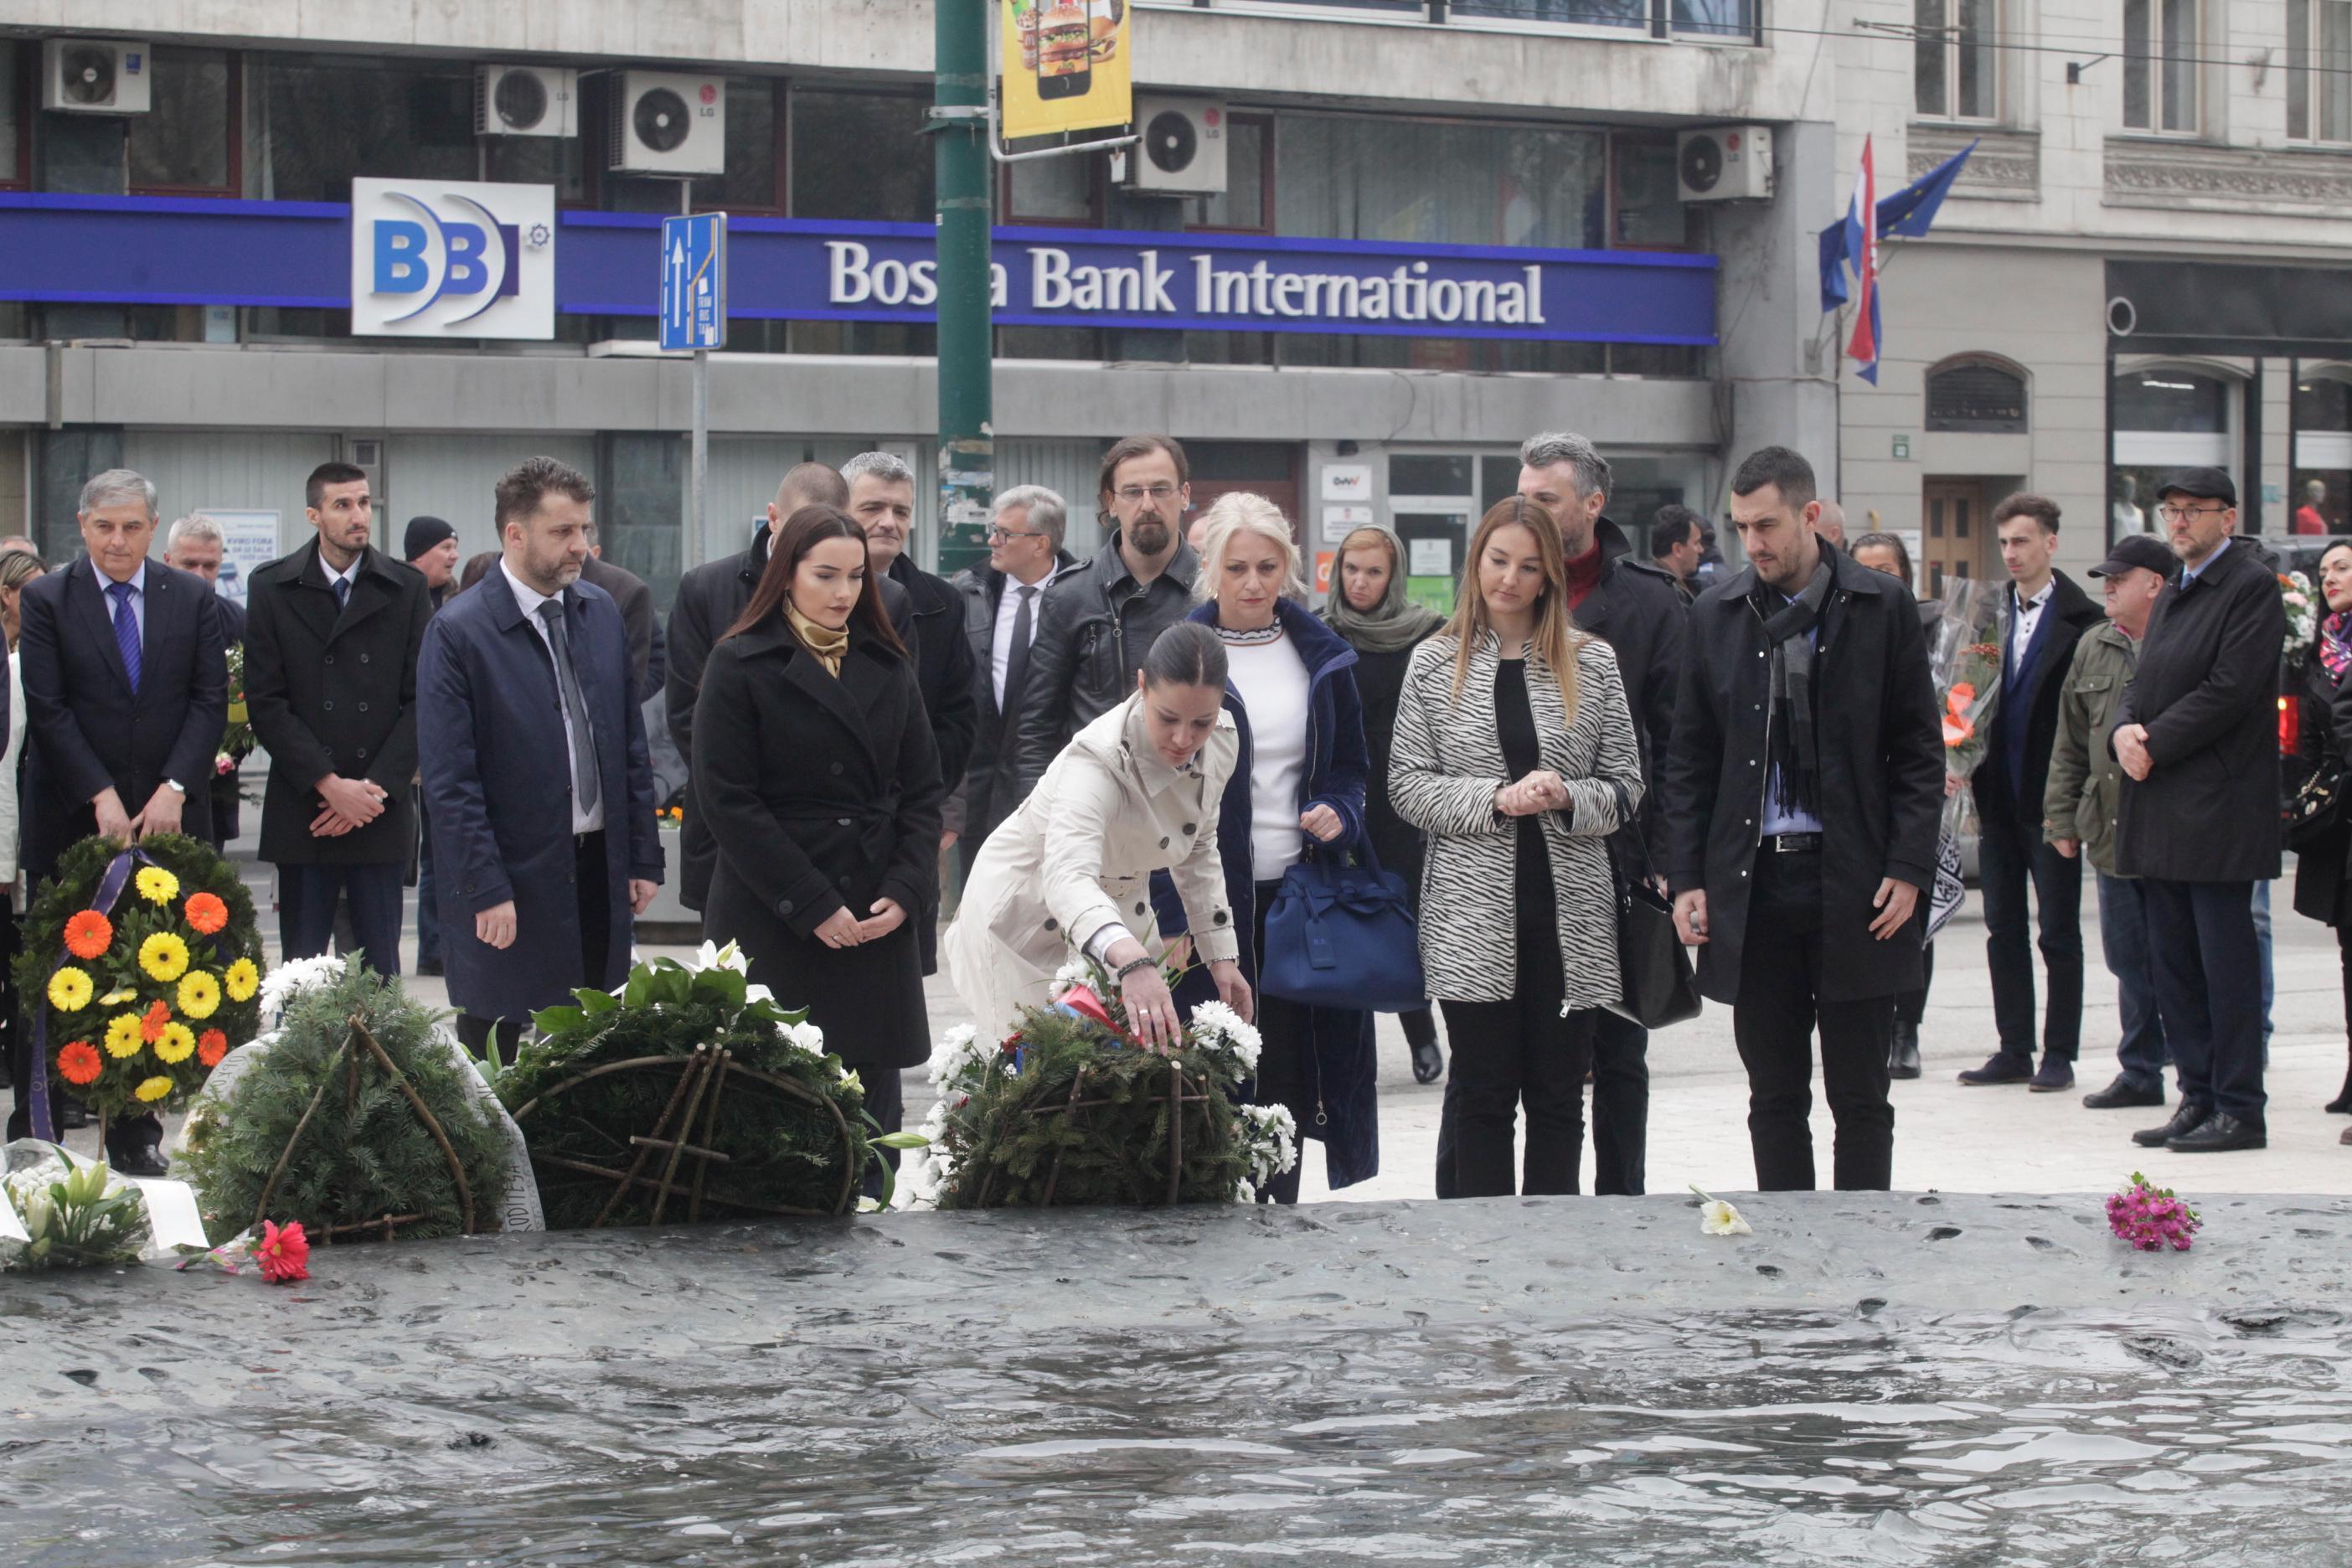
x=125 y=697
x=538 y=790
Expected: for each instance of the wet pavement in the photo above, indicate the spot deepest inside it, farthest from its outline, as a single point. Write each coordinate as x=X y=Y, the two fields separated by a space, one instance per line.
x=1892 y=1379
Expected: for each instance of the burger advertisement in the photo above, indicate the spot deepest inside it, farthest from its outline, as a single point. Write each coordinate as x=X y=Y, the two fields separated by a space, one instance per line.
x=1065 y=67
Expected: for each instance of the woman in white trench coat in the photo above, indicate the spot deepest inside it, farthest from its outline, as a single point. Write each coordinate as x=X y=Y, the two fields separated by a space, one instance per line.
x=1134 y=792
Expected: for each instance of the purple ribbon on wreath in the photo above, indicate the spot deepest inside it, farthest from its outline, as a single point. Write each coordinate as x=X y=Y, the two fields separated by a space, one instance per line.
x=110 y=892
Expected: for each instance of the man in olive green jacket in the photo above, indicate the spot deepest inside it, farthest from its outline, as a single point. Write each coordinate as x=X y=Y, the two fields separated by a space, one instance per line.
x=2080 y=806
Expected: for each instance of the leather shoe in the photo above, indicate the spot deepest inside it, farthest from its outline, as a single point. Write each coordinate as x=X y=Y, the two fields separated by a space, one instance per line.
x=2123 y=1092
x=2217 y=1134
x=139 y=1160
x=2001 y=1068
x=1428 y=1063
x=2057 y=1073
x=1903 y=1056
x=2187 y=1119
x=428 y=966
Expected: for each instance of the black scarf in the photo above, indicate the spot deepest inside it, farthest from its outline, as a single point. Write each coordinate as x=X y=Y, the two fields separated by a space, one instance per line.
x=1796 y=751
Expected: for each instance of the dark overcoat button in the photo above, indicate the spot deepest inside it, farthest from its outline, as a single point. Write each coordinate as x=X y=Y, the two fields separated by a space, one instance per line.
x=1139 y=909
x=843 y=880
x=1052 y=925
x=364 y=658
x=784 y=907
x=363 y=707
x=1221 y=917
x=331 y=659
x=331 y=705
x=1189 y=830
x=837 y=768
x=1163 y=844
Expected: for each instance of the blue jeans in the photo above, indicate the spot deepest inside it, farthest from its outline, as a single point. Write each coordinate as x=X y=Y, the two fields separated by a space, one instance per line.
x=2123 y=937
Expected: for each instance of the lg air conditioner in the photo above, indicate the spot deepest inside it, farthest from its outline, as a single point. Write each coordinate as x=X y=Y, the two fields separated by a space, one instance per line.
x=526 y=101
x=665 y=122
x=96 y=76
x=1727 y=163
x=1180 y=149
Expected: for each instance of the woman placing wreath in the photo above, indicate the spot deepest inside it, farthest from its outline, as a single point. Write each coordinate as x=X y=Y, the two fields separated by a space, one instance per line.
x=1136 y=792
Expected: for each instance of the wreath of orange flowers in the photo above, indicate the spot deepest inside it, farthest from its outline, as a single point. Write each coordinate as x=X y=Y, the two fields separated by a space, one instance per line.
x=88 y=934
x=211 y=1046
x=206 y=912
x=79 y=1063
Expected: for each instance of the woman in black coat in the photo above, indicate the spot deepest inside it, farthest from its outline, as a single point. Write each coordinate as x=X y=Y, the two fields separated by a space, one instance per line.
x=814 y=766
x=2323 y=891
x=1366 y=605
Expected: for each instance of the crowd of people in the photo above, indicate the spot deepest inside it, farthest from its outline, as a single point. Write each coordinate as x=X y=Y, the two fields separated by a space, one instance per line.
x=1126 y=753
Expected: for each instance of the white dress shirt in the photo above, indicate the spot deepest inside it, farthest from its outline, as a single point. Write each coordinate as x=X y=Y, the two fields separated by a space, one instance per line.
x=350 y=574
x=2024 y=616
x=593 y=819
x=1008 y=607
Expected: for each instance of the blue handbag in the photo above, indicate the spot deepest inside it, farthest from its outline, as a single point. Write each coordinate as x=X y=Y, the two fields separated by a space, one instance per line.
x=1341 y=935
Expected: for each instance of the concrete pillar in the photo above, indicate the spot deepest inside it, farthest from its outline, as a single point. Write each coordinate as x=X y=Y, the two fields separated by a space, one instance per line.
x=1778 y=354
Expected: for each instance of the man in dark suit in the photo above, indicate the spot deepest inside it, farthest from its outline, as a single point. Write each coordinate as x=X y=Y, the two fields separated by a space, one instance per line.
x=2198 y=818
x=634 y=596
x=538 y=791
x=882 y=499
x=125 y=698
x=430 y=545
x=708 y=599
x=331 y=681
x=194 y=545
x=2043 y=615
x=1024 y=554
x=1803 y=787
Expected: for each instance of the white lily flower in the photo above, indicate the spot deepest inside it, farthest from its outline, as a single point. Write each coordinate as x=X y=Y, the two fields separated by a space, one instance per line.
x=1717 y=1218
x=804 y=1035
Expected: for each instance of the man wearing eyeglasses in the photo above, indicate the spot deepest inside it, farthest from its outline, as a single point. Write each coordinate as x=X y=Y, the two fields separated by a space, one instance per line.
x=1101 y=617
x=1002 y=606
x=2198 y=818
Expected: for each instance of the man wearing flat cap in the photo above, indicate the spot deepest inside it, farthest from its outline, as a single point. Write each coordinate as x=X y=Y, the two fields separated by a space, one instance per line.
x=2078 y=806
x=2197 y=814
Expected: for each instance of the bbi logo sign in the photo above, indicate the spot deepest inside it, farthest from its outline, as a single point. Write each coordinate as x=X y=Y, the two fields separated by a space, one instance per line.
x=437 y=259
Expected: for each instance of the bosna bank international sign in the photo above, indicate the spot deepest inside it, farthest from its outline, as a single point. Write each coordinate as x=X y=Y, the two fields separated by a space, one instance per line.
x=423 y=242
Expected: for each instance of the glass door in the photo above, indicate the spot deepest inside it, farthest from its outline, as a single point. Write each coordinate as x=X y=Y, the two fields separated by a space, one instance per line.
x=1433 y=503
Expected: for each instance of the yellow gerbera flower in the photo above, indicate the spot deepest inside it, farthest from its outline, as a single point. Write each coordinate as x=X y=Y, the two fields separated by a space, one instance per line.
x=118 y=996
x=157 y=885
x=153 y=1089
x=122 y=1036
x=199 y=994
x=241 y=980
x=163 y=956
x=69 y=989
x=178 y=1044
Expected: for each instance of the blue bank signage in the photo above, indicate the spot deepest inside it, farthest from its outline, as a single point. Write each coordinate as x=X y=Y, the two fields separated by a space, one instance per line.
x=483 y=265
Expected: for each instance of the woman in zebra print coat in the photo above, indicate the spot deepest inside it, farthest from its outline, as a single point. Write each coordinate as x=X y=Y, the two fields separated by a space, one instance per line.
x=1514 y=752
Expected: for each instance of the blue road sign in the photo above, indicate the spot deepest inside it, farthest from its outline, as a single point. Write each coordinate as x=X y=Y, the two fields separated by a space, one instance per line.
x=694 y=282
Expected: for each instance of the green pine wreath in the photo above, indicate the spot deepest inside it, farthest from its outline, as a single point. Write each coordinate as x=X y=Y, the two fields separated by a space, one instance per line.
x=138 y=1002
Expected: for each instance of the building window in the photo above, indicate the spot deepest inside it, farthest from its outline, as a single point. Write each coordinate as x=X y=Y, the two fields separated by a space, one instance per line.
x=1645 y=204
x=1246 y=205
x=1953 y=67
x=2319 y=70
x=325 y=121
x=2159 y=69
x=185 y=145
x=1716 y=18
x=2165 y=417
x=1566 y=13
x=1976 y=395
x=860 y=155
x=1340 y=177
x=15 y=145
x=1057 y=191
x=2321 y=497
x=641 y=507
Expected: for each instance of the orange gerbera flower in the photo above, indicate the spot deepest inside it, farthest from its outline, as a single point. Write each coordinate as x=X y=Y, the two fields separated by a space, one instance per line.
x=206 y=912
x=150 y=1027
x=211 y=1046
x=79 y=1063
x=88 y=934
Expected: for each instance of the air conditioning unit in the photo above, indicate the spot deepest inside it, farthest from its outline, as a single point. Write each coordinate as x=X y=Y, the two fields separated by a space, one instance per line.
x=1181 y=147
x=665 y=122
x=526 y=101
x=1727 y=163
x=96 y=76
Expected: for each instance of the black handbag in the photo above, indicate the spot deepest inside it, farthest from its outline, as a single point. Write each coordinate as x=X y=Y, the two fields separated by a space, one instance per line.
x=2315 y=808
x=1660 y=986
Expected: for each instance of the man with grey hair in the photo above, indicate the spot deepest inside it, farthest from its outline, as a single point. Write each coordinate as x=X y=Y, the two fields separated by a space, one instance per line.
x=1024 y=554
x=126 y=695
x=882 y=499
x=196 y=545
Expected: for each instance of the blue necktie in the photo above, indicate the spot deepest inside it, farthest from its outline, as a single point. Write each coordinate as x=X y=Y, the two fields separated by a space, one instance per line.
x=343 y=594
x=126 y=632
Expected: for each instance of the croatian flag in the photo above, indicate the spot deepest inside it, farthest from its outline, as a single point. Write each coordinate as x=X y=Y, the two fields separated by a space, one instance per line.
x=1862 y=236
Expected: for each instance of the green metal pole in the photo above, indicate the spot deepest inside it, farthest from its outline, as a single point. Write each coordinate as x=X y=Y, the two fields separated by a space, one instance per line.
x=959 y=131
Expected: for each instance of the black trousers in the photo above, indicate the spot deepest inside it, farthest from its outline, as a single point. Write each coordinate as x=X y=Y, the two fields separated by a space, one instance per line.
x=2209 y=990
x=1911 y=1006
x=2010 y=855
x=1620 y=1105
x=1510 y=1054
x=307 y=901
x=1779 y=1007
x=596 y=944
x=1286 y=1043
x=885 y=1101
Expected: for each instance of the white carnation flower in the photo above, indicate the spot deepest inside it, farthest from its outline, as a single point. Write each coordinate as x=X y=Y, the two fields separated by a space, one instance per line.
x=1077 y=972
x=1218 y=1026
x=1271 y=1134
x=957 y=1050
x=295 y=977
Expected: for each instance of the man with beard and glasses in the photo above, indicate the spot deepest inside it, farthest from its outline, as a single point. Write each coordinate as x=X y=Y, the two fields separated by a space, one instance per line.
x=1802 y=796
x=1101 y=617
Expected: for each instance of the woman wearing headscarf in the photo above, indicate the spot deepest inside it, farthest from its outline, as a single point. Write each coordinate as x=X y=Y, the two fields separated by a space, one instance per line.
x=1367 y=605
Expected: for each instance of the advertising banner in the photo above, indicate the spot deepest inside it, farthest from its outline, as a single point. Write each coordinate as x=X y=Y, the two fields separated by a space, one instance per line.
x=1063 y=67
x=446 y=258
